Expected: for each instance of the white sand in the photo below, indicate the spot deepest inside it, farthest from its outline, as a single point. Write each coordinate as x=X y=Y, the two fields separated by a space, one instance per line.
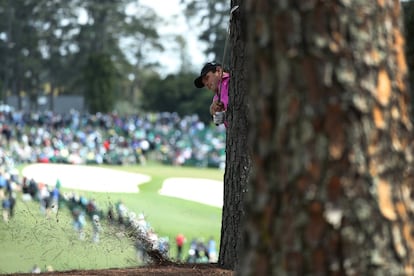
x=205 y=191
x=86 y=178
x=98 y=179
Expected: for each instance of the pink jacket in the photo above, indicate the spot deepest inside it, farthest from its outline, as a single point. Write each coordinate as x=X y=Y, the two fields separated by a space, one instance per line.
x=224 y=93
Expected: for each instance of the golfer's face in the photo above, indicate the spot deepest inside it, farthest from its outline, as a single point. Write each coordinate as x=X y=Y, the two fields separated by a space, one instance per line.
x=210 y=81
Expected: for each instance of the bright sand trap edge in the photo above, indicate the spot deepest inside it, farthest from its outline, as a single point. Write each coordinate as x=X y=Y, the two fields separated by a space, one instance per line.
x=97 y=179
x=86 y=178
x=201 y=190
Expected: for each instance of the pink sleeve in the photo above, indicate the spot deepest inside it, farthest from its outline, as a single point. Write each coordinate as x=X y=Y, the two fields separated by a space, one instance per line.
x=224 y=93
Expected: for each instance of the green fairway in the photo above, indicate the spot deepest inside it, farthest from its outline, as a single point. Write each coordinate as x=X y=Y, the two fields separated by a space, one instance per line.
x=29 y=238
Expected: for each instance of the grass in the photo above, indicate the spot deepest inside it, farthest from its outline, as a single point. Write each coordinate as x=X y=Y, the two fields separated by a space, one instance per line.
x=29 y=238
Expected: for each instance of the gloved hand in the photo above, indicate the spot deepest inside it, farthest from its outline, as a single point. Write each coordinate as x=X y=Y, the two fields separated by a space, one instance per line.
x=218 y=117
x=216 y=106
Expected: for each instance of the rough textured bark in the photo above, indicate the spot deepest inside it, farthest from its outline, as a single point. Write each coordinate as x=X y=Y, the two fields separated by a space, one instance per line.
x=237 y=155
x=331 y=184
x=408 y=10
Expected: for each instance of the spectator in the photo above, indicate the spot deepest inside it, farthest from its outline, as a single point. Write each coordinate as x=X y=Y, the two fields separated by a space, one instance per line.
x=109 y=138
x=36 y=269
x=44 y=199
x=33 y=190
x=97 y=228
x=180 y=240
x=193 y=254
x=121 y=210
x=110 y=214
x=164 y=245
x=143 y=225
x=79 y=222
x=3 y=184
x=12 y=200
x=54 y=197
x=6 y=209
x=212 y=251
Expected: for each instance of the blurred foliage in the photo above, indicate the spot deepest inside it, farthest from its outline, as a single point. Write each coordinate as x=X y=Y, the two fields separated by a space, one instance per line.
x=48 y=43
x=71 y=47
x=100 y=76
x=211 y=17
x=176 y=93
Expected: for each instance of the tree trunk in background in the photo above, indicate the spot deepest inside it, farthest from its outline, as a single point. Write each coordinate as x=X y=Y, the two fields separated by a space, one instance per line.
x=52 y=97
x=237 y=155
x=331 y=182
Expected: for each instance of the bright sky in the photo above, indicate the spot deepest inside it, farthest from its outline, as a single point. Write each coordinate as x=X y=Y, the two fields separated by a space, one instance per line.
x=171 y=11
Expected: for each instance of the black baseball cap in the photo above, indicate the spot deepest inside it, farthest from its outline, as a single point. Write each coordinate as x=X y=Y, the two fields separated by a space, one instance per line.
x=208 y=67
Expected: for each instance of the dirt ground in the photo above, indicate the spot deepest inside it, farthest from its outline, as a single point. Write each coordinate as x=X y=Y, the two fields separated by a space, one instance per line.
x=155 y=270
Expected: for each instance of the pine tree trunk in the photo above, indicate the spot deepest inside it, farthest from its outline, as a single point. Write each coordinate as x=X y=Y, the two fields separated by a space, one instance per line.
x=331 y=183
x=52 y=97
x=237 y=155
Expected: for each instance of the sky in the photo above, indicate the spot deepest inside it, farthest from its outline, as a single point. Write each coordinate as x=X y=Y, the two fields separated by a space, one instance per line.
x=171 y=11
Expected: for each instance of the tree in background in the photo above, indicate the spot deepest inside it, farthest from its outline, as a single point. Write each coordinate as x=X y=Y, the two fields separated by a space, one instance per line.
x=56 y=21
x=60 y=37
x=211 y=18
x=46 y=44
x=100 y=74
x=331 y=184
x=99 y=43
x=175 y=93
x=21 y=73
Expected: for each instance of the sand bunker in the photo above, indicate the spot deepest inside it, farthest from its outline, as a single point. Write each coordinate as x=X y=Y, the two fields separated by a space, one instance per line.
x=205 y=191
x=96 y=179
x=86 y=178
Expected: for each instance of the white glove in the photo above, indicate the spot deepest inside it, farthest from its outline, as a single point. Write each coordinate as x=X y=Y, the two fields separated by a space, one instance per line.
x=218 y=117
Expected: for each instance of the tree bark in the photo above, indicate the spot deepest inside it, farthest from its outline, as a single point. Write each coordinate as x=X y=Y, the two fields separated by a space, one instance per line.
x=237 y=155
x=331 y=182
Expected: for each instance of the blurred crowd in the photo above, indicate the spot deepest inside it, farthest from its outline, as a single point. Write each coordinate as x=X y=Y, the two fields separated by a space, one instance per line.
x=76 y=138
x=90 y=221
